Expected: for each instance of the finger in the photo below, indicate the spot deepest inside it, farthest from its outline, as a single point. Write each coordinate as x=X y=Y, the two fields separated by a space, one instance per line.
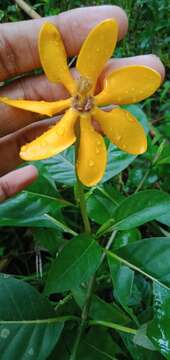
x=16 y=181
x=10 y=145
x=18 y=39
x=150 y=60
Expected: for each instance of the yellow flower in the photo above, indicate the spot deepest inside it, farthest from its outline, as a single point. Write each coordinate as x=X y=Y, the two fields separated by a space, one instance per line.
x=125 y=85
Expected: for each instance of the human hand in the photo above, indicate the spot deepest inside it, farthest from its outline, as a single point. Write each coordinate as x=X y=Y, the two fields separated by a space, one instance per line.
x=16 y=180
x=19 y=54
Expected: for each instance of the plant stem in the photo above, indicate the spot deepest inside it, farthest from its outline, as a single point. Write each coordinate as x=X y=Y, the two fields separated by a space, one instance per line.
x=82 y=203
x=143 y=180
x=86 y=308
x=27 y=9
x=84 y=317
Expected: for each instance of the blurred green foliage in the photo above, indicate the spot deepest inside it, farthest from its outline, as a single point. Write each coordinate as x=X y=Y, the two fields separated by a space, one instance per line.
x=43 y=225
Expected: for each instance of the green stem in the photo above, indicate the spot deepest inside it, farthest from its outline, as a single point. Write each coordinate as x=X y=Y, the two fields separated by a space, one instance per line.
x=82 y=204
x=113 y=326
x=86 y=308
x=143 y=180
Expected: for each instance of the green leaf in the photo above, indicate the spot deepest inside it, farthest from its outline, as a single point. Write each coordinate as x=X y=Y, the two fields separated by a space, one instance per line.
x=61 y=167
x=126 y=237
x=100 y=309
x=137 y=352
x=159 y=329
x=117 y=161
x=138 y=209
x=122 y=277
x=98 y=345
x=123 y=282
x=44 y=183
x=75 y=263
x=142 y=339
x=50 y=239
x=149 y=256
x=28 y=327
x=102 y=202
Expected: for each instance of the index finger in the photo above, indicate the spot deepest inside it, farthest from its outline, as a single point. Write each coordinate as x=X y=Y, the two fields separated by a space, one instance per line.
x=18 y=41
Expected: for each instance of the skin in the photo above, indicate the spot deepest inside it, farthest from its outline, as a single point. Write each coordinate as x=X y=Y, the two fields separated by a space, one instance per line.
x=19 y=54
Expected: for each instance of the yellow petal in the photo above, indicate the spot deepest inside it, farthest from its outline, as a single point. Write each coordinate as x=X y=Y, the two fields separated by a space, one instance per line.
x=53 y=56
x=40 y=107
x=123 y=130
x=129 y=85
x=92 y=154
x=53 y=141
x=97 y=49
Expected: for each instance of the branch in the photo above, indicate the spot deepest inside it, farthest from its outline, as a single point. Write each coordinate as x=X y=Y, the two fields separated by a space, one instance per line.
x=27 y=9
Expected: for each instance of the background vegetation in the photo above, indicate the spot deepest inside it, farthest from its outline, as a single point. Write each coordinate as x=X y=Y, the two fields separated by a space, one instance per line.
x=29 y=239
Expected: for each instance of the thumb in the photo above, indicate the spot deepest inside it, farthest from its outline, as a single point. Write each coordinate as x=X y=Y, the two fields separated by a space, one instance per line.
x=16 y=181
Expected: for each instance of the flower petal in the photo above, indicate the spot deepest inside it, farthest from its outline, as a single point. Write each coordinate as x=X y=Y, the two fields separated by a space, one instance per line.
x=53 y=56
x=92 y=154
x=97 y=49
x=128 y=85
x=53 y=141
x=40 y=107
x=123 y=130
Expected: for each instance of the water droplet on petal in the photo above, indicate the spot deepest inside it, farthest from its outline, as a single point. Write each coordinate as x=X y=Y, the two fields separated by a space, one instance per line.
x=118 y=137
x=91 y=163
x=97 y=150
x=133 y=89
x=44 y=144
x=99 y=142
x=60 y=131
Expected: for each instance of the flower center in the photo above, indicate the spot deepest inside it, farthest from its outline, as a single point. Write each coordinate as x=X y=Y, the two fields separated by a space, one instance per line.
x=83 y=101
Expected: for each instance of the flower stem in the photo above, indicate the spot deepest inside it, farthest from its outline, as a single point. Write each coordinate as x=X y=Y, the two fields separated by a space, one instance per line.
x=82 y=203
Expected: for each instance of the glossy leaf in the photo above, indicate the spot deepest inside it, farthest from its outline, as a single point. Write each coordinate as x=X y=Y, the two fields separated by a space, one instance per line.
x=61 y=167
x=159 y=330
x=102 y=202
x=138 y=209
x=70 y=268
x=148 y=256
x=98 y=345
x=32 y=209
x=100 y=309
x=142 y=339
x=28 y=325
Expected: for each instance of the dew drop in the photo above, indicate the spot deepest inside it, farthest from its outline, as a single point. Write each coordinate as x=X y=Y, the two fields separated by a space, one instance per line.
x=4 y=333
x=60 y=131
x=133 y=89
x=91 y=163
x=118 y=137
x=97 y=150
x=98 y=49
x=31 y=351
x=44 y=144
x=99 y=142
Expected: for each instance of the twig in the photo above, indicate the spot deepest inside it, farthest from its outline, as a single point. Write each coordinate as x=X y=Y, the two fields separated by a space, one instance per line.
x=27 y=9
